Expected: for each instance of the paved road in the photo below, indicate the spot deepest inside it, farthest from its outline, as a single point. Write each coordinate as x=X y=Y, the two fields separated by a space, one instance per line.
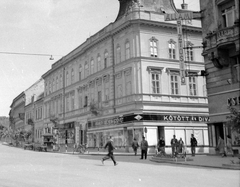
x=19 y=168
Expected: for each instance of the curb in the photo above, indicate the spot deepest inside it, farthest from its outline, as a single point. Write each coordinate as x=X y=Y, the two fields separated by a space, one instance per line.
x=224 y=166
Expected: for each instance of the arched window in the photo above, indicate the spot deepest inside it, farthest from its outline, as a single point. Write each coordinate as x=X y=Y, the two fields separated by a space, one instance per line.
x=118 y=54
x=153 y=47
x=172 y=49
x=127 y=50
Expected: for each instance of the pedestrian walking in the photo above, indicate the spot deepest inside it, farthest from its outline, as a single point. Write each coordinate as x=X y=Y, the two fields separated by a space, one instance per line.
x=221 y=146
x=135 y=146
x=229 y=145
x=174 y=143
x=110 y=147
x=180 y=145
x=161 y=146
x=193 y=142
x=144 y=148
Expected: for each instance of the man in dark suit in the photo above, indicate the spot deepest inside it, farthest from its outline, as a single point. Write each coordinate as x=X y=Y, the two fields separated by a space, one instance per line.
x=110 y=147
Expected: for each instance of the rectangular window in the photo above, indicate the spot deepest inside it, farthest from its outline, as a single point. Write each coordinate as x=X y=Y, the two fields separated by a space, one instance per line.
x=80 y=73
x=118 y=55
x=127 y=50
x=72 y=101
x=98 y=63
x=86 y=70
x=92 y=66
x=80 y=101
x=105 y=60
x=99 y=99
x=106 y=94
x=72 y=76
x=192 y=86
x=129 y=88
x=119 y=91
x=67 y=103
x=85 y=101
x=67 y=81
x=153 y=48
x=228 y=16
x=155 y=83
x=172 y=50
x=174 y=84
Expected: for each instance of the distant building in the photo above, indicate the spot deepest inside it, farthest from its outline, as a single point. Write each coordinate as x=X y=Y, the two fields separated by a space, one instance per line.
x=17 y=113
x=34 y=109
x=124 y=81
x=220 y=21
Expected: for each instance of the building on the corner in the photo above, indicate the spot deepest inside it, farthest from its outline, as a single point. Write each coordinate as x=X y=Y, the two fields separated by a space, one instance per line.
x=124 y=81
x=220 y=21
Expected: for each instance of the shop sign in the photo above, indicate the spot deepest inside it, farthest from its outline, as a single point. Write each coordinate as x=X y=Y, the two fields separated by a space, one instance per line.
x=233 y=101
x=178 y=16
x=112 y=121
x=181 y=52
x=186 y=118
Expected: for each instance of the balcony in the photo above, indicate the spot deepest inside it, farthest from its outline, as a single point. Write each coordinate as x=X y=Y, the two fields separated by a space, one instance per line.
x=222 y=37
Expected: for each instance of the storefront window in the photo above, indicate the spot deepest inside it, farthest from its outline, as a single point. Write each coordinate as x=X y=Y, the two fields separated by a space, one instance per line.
x=198 y=134
x=168 y=136
x=189 y=132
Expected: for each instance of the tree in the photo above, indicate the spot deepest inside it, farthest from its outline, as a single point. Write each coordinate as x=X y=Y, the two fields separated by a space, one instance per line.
x=234 y=119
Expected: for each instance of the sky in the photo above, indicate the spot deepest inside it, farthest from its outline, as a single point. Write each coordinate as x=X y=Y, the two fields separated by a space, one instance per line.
x=51 y=27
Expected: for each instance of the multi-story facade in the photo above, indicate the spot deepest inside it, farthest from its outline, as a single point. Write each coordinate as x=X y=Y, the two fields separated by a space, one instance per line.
x=17 y=113
x=34 y=109
x=220 y=21
x=124 y=81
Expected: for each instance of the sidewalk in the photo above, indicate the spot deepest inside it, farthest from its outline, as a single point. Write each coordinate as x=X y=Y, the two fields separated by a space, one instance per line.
x=210 y=161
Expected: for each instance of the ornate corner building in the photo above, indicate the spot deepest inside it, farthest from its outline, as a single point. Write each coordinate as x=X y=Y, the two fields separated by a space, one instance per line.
x=220 y=21
x=124 y=81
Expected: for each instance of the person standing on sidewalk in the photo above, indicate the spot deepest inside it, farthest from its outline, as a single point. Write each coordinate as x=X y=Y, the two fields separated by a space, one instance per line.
x=135 y=146
x=144 y=148
x=110 y=147
x=229 y=145
x=174 y=143
x=221 y=146
x=161 y=146
x=180 y=145
x=193 y=142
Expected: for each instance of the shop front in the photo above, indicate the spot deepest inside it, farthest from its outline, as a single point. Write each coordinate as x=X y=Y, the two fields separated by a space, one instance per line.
x=219 y=125
x=66 y=134
x=125 y=128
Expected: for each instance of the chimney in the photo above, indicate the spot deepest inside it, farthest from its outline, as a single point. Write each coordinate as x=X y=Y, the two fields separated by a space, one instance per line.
x=184 y=6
